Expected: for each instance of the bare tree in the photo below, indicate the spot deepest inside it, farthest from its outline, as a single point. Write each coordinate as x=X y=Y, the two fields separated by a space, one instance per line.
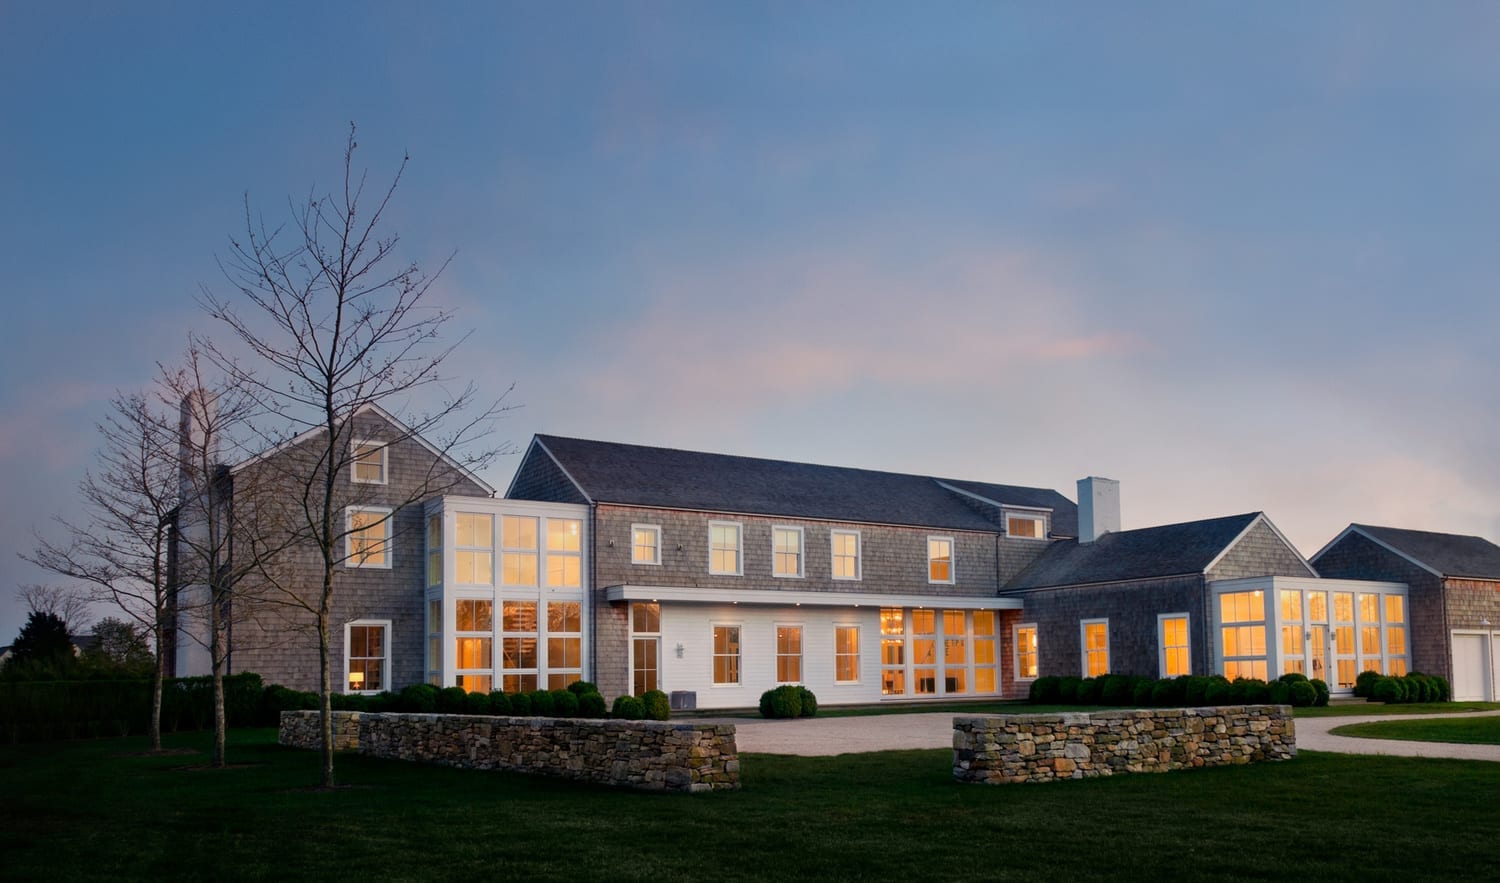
x=335 y=324
x=70 y=604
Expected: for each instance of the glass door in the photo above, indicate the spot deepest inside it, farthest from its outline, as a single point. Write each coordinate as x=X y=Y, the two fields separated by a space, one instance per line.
x=1317 y=635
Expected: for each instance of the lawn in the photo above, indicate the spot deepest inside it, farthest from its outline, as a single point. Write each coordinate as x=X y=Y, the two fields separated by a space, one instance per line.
x=1340 y=708
x=1472 y=730
x=94 y=811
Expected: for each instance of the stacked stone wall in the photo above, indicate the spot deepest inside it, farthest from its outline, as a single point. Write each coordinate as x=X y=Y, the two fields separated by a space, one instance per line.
x=1002 y=749
x=650 y=755
x=300 y=729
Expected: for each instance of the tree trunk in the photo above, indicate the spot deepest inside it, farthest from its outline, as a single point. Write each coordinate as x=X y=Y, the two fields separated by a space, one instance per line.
x=153 y=727
x=325 y=706
x=216 y=656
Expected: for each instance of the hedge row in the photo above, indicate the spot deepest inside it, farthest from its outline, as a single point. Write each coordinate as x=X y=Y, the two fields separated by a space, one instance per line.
x=39 y=711
x=1187 y=691
x=581 y=699
x=1414 y=687
x=788 y=701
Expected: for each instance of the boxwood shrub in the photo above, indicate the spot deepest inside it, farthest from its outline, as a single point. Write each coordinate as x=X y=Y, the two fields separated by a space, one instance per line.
x=781 y=702
x=1364 y=683
x=658 y=706
x=591 y=705
x=499 y=704
x=809 y=702
x=541 y=703
x=564 y=703
x=1321 y=686
x=520 y=704
x=628 y=708
x=1044 y=691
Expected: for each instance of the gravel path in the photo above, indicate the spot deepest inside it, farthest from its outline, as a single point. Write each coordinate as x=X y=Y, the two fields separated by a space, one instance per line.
x=824 y=736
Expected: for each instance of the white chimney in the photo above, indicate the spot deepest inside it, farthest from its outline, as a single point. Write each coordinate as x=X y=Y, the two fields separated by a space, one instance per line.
x=1098 y=507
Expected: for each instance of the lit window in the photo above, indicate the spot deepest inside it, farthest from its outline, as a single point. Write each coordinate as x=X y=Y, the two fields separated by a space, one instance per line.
x=726 y=654
x=1095 y=638
x=564 y=644
x=955 y=652
x=1028 y=526
x=564 y=553
x=1026 y=655
x=1242 y=634
x=434 y=640
x=645 y=650
x=788 y=654
x=645 y=544
x=786 y=551
x=369 y=462
x=365 y=662
x=1344 y=665
x=518 y=550
x=1172 y=638
x=368 y=537
x=845 y=554
x=434 y=550
x=473 y=644
x=892 y=651
x=940 y=559
x=474 y=556
x=924 y=651
x=846 y=654
x=724 y=548
x=986 y=652
x=518 y=646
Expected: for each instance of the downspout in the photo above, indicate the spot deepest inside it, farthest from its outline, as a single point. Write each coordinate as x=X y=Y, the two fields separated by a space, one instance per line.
x=593 y=595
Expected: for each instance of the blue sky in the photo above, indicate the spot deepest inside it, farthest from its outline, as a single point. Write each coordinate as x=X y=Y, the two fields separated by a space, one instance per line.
x=1237 y=257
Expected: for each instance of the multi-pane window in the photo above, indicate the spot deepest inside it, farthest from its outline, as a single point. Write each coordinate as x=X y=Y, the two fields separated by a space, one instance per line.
x=368 y=537
x=518 y=653
x=924 y=651
x=474 y=545
x=846 y=654
x=645 y=544
x=786 y=551
x=986 y=652
x=1172 y=637
x=473 y=643
x=845 y=554
x=564 y=644
x=1369 y=633
x=1395 y=634
x=1094 y=636
x=434 y=550
x=1026 y=651
x=940 y=559
x=369 y=462
x=724 y=548
x=892 y=651
x=645 y=646
x=518 y=550
x=955 y=652
x=1242 y=620
x=365 y=657
x=1344 y=668
x=434 y=641
x=564 y=553
x=1293 y=637
x=789 y=654
x=1033 y=527
x=726 y=654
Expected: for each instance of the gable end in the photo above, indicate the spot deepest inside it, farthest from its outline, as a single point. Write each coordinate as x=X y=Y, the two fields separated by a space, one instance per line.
x=540 y=477
x=1260 y=550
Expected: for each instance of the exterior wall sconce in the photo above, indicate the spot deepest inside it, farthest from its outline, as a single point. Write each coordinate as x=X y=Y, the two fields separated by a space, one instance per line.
x=679 y=651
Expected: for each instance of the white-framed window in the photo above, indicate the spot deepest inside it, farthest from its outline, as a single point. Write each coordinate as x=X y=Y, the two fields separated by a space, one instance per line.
x=474 y=549
x=645 y=646
x=367 y=655
x=786 y=551
x=789 y=654
x=1026 y=525
x=1093 y=638
x=434 y=550
x=518 y=550
x=1242 y=634
x=986 y=650
x=474 y=643
x=1026 y=656
x=435 y=641
x=367 y=537
x=645 y=544
x=940 y=559
x=846 y=654
x=724 y=553
x=369 y=461
x=846 y=563
x=564 y=643
x=564 y=553
x=726 y=655
x=518 y=646
x=892 y=651
x=1174 y=645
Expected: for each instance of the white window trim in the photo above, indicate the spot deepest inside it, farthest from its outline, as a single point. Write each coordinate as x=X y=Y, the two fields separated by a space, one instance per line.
x=739 y=557
x=1041 y=517
x=739 y=668
x=385 y=461
x=1015 y=650
x=494 y=558
x=952 y=561
x=654 y=528
x=1083 y=646
x=858 y=654
x=801 y=552
x=538 y=529
x=544 y=563
x=385 y=665
x=859 y=554
x=1161 y=641
x=801 y=651
x=386 y=542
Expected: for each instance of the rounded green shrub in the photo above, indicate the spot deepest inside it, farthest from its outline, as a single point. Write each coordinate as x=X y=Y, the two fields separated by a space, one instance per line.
x=452 y=700
x=1067 y=690
x=499 y=704
x=1044 y=691
x=1444 y=689
x=658 y=706
x=541 y=703
x=628 y=708
x=781 y=702
x=1321 y=686
x=1088 y=691
x=477 y=703
x=418 y=699
x=591 y=705
x=1177 y=690
x=1303 y=694
x=564 y=703
x=1292 y=677
x=579 y=688
x=1364 y=684
x=1386 y=690
x=1253 y=691
x=1218 y=692
x=1281 y=692
x=382 y=702
x=1196 y=692
x=1140 y=692
x=809 y=702
x=1114 y=690
x=520 y=704
x=1164 y=693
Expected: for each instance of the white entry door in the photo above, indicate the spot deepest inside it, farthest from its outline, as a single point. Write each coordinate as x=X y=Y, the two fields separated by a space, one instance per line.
x=1472 y=666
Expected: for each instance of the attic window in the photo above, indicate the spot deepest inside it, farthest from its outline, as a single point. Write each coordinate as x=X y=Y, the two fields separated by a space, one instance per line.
x=1026 y=525
x=369 y=462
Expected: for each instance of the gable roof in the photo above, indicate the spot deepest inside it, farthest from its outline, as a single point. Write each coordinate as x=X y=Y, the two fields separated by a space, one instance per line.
x=612 y=472
x=1168 y=550
x=1445 y=554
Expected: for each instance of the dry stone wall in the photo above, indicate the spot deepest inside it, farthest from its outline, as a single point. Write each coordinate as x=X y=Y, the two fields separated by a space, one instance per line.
x=1002 y=749
x=651 y=755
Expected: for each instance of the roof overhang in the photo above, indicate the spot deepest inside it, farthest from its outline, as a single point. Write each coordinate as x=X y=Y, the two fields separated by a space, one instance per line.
x=788 y=598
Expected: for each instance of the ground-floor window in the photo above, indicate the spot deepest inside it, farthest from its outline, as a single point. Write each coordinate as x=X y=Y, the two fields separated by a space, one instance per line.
x=1242 y=631
x=1026 y=651
x=367 y=656
x=1094 y=642
x=645 y=646
x=935 y=652
x=726 y=654
x=789 y=654
x=846 y=654
x=564 y=643
x=1172 y=643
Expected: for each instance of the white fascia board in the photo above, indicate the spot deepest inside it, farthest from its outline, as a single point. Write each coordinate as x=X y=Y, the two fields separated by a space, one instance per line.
x=1305 y=583
x=778 y=598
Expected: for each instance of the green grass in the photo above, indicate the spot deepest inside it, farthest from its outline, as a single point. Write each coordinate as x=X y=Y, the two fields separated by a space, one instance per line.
x=92 y=811
x=1472 y=730
x=1340 y=708
x=1357 y=708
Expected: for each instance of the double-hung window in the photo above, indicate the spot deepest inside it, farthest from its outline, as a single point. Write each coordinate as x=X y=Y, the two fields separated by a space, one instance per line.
x=645 y=544
x=370 y=459
x=726 y=655
x=846 y=654
x=1026 y=651
x=789 y=654
x=845 y=554
x=786 y=551
x=367 y=537
x=1094 y=637
x=724 y=548
x=940 y=559
x=366 y=656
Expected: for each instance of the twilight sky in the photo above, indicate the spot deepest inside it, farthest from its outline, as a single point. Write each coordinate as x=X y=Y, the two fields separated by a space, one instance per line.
x=1239 y=258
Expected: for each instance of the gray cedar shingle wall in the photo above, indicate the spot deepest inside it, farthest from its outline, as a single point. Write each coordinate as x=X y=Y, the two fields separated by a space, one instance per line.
x=1356 y=557
x=1260 y=552
x=1131 y=609
x=540 y=478
x=280 y=643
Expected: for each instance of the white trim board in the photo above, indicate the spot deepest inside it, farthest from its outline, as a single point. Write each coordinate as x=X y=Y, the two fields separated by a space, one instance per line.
x=778 y=598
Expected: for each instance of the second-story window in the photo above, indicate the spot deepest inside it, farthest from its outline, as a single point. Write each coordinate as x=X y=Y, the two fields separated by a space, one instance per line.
x=474 y=558
x=845 y=554
x=564 y=553
x=368 y=537
x=1025 y=524
x=518 y=550
x=645 y=544
x=724 y=547
x=940 y=559
x=369 y=462
x=786 y=555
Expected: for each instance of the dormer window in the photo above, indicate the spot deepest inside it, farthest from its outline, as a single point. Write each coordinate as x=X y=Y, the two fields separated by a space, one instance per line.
x=369 y=462
x=1027 y=525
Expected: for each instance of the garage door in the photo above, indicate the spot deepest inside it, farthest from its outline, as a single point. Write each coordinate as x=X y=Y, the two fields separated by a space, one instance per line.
x=1471 y=667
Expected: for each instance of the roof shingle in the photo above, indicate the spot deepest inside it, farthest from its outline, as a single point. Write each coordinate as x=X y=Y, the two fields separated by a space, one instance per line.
x=1168 y=550
x=1452 y=555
